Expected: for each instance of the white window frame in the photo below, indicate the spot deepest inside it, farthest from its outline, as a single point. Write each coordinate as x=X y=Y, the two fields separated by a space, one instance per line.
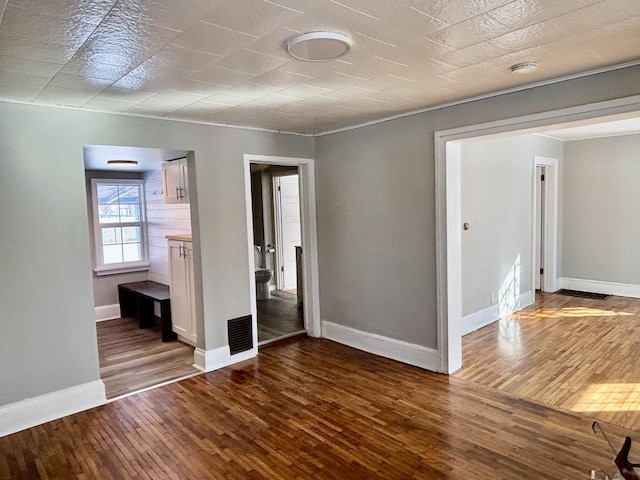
x=124 y=267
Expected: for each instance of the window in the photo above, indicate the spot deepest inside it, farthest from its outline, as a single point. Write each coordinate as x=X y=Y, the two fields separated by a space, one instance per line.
x=119 y=228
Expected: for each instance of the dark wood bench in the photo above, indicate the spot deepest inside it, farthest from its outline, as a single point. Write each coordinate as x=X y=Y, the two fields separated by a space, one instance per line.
x=137 y=299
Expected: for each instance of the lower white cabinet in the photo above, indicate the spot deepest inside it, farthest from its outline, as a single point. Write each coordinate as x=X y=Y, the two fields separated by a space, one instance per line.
x=183 y=315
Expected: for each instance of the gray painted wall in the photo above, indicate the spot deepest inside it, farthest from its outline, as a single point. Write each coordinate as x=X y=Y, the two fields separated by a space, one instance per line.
x=602 y=210
x=497 y=196
x=376 y=218
x=48 y=341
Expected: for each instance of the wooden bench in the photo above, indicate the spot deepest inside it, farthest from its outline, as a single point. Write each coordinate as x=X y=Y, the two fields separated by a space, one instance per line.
x=137 y=299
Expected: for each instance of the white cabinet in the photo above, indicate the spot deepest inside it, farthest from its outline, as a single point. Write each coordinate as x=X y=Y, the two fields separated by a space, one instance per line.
x=183 y=315
x=176 y=181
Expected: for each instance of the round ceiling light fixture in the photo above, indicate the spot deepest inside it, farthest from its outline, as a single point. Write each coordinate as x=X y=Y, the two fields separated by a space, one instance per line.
x=122 y=163
x=318 y=46
x=523 y=68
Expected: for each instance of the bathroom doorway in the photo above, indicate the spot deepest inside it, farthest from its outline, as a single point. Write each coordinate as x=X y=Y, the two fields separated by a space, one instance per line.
x=277 y=241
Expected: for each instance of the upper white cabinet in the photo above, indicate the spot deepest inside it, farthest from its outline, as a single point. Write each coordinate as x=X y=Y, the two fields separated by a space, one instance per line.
x=176 y=181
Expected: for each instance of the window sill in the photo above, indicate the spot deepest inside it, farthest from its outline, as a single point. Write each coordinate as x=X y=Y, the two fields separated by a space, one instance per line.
x=114 y=270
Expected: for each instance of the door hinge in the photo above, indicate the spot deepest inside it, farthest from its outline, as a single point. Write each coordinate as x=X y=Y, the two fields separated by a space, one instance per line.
x=542 y=177
x=282 y=268
x=279 y=189
x=541 y=271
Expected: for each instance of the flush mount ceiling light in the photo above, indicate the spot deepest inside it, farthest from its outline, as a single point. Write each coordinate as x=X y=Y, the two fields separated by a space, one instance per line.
x=523 y=68
x=122 y=163
x=318 y=46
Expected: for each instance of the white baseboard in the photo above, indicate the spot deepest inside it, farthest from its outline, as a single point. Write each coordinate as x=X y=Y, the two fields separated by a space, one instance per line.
x=595 y=286
x=488 y=315
x=209 y=360
x=404 y=352
x=107 y=312
x=51 y=406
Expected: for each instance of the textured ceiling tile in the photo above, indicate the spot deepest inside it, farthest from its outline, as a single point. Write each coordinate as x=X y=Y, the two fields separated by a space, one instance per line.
x=121 y=42
x=65 y=96
x=85 y=11
x=227 y=99
x=148 y=76
x=304 y=91
x=252 y=90
x=250 y=16
x=173 y=56
x=107 y=104
x=21 y=87
x=366 y=68
x=155 y=106
x=456 y=11
x=214 y=39
x=56 y=40
x=114 y=93
x=406 y=55
x=197 y=87
x=177 y=97
x=472 y=31
x=71 y=82
x=176 y=15
x=521 y=13
x=281 y=79
x=598 y=16
x=26 y=66
x=221 y=76
x=251 y=62
x=274 y=100
x=385 y=82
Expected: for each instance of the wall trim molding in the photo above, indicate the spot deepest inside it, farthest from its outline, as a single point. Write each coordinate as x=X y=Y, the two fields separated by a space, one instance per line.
x=30 y=412
x=399 y=350
x=107 y=312
x=209 y=360
x=596 y=286
x=492 y=313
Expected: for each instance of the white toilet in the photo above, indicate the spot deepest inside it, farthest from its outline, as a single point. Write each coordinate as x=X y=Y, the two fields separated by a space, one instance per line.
x=263 y=275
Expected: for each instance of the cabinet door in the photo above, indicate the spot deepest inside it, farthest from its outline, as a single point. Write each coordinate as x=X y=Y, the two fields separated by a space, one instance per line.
x=171 y=174
x=191 y=298
x=180 y=309
x=184 y=180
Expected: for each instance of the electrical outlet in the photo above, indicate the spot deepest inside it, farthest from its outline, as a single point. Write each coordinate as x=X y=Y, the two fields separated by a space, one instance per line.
x=492 y=298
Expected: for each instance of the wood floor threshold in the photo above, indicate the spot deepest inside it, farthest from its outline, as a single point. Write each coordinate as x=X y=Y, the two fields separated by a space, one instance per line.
x=277 y=340
x=152 y=387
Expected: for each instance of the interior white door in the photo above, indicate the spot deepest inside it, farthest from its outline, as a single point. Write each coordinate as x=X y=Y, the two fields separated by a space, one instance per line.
x=288 y=219
x=539 y=227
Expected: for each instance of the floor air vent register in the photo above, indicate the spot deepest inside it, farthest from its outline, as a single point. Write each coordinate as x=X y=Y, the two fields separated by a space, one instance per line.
x=240 y=334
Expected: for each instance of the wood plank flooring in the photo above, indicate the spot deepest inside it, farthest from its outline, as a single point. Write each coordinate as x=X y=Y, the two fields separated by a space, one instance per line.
x=132 y=358
x=314 y=409
x=278 y=316
x=577 y=354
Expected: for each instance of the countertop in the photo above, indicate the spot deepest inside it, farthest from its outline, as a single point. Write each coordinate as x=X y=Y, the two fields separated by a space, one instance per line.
x=185 y=237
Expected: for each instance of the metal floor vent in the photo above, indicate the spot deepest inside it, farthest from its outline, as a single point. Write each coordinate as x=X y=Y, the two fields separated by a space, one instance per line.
x=240 y=334
x=575 y=293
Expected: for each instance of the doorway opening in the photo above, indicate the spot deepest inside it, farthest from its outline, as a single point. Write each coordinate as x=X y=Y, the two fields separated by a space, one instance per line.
x=130 y=221
x=277 y=240
x=282 y=242
x=448 y=153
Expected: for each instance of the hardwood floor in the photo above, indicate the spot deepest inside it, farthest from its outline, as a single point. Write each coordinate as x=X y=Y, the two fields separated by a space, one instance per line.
x=278 y=316
x=577 y=354
x=311 y=408
x=132 y=359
